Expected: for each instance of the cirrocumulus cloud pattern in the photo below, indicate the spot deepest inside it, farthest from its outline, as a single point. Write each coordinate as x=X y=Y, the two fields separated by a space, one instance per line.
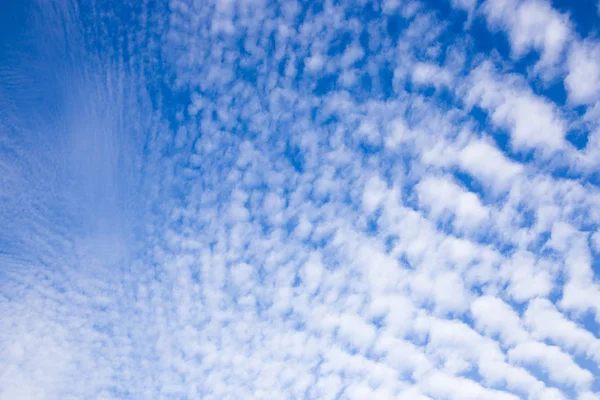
x=300 y=200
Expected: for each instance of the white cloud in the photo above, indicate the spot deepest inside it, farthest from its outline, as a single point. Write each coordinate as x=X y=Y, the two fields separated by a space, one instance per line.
x=312 y=272
x=374 y=194
x=351 y=55
x=494 y=317
x=397 y=132
x=530 y=25
x=429 y=74
x=487 y=163
x=527 y=277
x=583 y=79
x=227 y=205
x=354 y=330
x=449 y=292
x=533 y=122
x=440 y=385
x=314 y=63
x=547 y=323
x=442 y=195
x=467 y=5
x=560 y=366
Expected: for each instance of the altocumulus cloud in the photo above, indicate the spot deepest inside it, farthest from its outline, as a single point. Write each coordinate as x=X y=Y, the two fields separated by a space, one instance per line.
x=299 y=200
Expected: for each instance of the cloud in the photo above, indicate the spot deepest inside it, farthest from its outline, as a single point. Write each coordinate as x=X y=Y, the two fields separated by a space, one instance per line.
x=441 y=195
x=561 y=368
x=494 y=317
x=533 y=122
x=487 y=163
x=548 y=323
x=530 y=25
x=467 y=5
x=430 y=74
x=583 y=81
x=279 y=200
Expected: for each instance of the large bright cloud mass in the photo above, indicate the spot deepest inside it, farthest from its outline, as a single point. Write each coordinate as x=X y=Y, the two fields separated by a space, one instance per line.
x=300 y=200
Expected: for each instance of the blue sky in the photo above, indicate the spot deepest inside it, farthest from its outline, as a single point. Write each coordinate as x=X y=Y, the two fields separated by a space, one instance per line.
x=294 y=200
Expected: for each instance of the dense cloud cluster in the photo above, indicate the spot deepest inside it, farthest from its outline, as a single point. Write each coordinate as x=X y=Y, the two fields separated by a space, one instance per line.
x=284 y=200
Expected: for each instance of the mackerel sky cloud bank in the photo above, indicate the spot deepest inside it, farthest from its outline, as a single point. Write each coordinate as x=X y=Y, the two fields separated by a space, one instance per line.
x=292 y=200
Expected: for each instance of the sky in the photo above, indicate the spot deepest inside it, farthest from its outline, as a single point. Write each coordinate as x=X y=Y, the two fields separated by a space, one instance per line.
x=300 y=200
